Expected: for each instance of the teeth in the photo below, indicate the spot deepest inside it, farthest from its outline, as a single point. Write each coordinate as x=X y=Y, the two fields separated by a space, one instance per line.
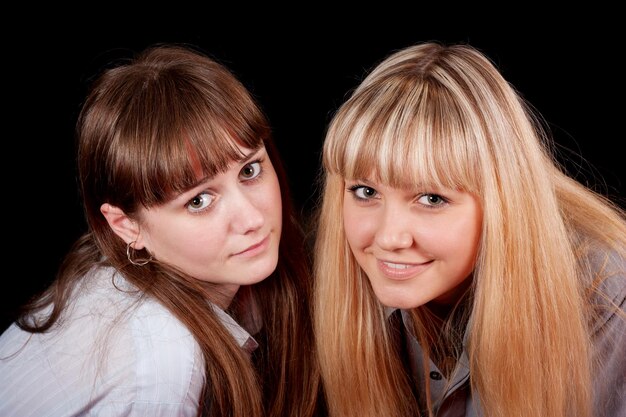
x=396 y=266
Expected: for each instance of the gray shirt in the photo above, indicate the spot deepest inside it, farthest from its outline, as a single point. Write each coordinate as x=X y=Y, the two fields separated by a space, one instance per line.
x=453 y=398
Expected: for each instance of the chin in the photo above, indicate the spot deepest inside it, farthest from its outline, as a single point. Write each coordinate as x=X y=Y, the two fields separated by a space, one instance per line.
x=401 y=305
x=263 y=270
x=398 y=301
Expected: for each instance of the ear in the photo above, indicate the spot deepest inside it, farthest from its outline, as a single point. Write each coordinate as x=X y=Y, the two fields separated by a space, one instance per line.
x=122 y=225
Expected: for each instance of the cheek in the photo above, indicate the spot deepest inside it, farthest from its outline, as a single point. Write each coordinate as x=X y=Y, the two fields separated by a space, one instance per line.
x=277 y=197
x=464 y=249
x=191 y=243
x=271 y=199
x=358 y=226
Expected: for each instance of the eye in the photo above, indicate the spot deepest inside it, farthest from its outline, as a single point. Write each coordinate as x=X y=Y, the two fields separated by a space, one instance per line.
x=251 y=171
x=200 y=202
x=362 y=192
x=432 y=200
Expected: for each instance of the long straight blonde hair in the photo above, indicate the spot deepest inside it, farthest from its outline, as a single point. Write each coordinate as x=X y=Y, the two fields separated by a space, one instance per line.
x=444 y=115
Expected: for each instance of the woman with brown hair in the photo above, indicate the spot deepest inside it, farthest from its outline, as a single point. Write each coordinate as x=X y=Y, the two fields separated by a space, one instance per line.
x=188 y=294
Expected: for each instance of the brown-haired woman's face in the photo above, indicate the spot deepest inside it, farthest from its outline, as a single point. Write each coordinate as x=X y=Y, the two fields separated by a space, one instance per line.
x=416 y=246
x=225 y=230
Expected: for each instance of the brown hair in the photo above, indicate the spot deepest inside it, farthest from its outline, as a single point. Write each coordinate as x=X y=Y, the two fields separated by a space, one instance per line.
x=144 y=128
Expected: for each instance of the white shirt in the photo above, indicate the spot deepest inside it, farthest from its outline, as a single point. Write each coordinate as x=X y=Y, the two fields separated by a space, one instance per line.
x=110 y=356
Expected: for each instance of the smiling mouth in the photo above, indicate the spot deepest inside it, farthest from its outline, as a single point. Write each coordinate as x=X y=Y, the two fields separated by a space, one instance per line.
x=254 y=249
x=396 y=266
x=402 y=271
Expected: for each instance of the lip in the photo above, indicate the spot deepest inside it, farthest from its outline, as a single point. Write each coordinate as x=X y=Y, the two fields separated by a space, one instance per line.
x=255 y=249
x=401 y=271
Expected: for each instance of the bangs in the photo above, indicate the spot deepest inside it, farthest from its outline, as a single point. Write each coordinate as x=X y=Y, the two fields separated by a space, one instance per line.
x=404 y=135
x=198 y=149
x=189 y=132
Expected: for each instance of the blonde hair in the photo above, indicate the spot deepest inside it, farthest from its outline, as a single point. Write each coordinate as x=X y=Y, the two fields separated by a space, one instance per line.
x=444 y=116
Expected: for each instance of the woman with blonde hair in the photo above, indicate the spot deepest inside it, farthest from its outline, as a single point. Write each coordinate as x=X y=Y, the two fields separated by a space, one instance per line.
x=187 y=295
x=459 y=270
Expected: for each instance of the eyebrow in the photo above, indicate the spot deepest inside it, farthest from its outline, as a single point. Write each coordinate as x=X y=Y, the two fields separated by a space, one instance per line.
x=244 y=159
x=247 y=157
x=360 y=180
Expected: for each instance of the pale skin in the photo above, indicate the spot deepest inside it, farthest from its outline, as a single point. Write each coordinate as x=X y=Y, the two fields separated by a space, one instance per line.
x=225 y=230
x=417 y=246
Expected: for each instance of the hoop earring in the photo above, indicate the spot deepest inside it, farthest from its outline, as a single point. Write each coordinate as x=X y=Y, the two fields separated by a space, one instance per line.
x=130 y=251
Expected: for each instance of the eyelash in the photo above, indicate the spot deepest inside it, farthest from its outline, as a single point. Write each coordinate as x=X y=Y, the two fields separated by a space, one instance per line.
x=259 y=161
x=257 y=177
x=354 y=188
x=200 y=210
x=443 y=202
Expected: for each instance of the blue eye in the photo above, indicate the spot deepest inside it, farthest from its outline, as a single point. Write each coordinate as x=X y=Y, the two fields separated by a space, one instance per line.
x=432 y=200
x=363 y=192
x=200 y=202
x=251 y=170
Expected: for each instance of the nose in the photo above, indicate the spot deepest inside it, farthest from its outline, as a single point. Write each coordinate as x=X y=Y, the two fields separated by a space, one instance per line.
x=394 y=231
x=246 y=216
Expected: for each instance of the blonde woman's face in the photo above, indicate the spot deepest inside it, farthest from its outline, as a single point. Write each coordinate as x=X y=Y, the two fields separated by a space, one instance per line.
x=416 y=246
x=226 y=230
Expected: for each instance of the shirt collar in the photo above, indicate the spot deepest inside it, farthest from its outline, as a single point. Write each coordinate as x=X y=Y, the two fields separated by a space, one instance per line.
x=241 y=335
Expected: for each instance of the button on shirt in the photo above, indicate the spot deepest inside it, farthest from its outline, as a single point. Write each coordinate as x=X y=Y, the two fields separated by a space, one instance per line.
x=450 y=397
x=453 y=398
x=112 y=355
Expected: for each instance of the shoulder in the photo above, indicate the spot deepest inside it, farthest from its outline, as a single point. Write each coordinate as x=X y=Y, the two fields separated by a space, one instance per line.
x=607 y=287
x=608 y=313
x=149 y=345
x=113 y=346
x=159 y=355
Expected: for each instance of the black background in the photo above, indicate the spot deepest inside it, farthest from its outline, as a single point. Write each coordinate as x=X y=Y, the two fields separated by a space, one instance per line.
x=570 y=70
